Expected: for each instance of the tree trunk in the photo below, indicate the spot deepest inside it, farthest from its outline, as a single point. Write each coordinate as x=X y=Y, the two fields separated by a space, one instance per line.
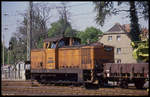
x=135 y=30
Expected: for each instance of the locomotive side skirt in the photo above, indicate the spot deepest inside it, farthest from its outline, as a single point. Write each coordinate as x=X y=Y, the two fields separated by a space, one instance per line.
x=55 y=72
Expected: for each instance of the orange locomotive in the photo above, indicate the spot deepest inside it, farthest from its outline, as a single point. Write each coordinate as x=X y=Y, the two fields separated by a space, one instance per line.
x=63 y=59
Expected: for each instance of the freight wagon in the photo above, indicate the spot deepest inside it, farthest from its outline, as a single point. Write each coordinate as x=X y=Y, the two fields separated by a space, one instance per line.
x=64 y=59
x=125 y=73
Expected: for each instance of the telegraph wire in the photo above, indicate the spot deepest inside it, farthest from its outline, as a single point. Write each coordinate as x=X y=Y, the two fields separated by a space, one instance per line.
x=71 y=5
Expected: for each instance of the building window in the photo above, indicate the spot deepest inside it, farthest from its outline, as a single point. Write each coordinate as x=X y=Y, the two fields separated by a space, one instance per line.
x=118 y=50
x=109 y=38
x=119 y=61
x=118 y=37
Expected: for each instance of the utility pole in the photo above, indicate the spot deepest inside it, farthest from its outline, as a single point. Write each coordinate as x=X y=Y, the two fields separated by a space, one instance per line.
x=4 y=43
x=29 y=33
x=3 y=49
x=65 y=20
x=8 y=56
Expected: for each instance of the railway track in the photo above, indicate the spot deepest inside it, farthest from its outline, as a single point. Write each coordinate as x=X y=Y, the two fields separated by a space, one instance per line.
x=23 y=88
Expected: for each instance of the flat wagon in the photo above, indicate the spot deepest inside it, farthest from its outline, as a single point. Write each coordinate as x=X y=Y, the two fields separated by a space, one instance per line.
x=125 y=73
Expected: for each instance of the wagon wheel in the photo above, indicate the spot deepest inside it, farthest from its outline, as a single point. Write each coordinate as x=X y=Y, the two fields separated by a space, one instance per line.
x=139 y=84
x=124 y=84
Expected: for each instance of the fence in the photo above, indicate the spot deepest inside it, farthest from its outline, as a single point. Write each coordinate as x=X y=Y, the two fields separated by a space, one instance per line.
x=14 y=72
x=13 y=75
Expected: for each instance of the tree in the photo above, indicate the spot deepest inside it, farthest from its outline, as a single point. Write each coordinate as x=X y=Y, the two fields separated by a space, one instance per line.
x=135 y=30
x=90 y=35
x=13 y=54
x=5 y=54
x=141 y=50
x=62 y=27
x=106 y=8
x=143 y=8
x=57 y=27
x=64 y=17
x=136 y=8
x=40 y=43
x=18 y=50
x=40 y=14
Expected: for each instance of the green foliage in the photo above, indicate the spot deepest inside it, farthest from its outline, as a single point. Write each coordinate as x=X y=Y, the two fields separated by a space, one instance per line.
x=40 y=43
x=18 y=52
x=104 y=9
x=57 y=29
x=89 y=35
x=13 y=52
x=5 y=54
x=82 y=35
x=19 y=40
x=141 y=50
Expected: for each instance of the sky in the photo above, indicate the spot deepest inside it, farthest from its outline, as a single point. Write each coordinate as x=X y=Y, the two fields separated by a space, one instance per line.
x=82 y=15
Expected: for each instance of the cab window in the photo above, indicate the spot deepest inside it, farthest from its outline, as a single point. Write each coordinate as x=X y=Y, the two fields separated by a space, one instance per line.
x=46 y=46
x=61 y=43
x=76 y=42
x=53 y=44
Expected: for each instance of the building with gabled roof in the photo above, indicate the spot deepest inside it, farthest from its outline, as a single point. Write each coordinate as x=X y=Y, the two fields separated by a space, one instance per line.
x=120 y=39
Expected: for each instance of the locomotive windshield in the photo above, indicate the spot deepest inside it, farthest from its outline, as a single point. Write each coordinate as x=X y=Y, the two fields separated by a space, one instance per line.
x=68 y=42
x=61 y=43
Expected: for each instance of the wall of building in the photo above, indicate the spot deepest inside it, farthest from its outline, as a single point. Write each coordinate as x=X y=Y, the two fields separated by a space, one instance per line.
x=124 y=43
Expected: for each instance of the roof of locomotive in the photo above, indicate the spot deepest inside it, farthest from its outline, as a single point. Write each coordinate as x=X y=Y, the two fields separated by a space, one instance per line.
x=52 y=39
x=96 y=44
x=59 y=38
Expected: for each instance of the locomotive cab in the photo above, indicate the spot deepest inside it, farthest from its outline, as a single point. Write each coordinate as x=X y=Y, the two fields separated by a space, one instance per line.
x=51 y=48
x=54 y=43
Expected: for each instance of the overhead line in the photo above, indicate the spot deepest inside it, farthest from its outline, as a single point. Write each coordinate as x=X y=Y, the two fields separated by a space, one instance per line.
x=68 y=6
x=83 y=14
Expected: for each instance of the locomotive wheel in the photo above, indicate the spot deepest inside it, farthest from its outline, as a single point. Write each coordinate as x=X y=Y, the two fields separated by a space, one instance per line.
x=139 y=84
x=101 y=83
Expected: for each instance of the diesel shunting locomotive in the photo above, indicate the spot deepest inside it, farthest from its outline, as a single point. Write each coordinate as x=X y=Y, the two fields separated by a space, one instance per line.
x=64 y=59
